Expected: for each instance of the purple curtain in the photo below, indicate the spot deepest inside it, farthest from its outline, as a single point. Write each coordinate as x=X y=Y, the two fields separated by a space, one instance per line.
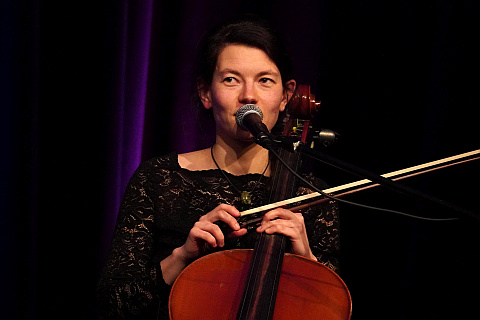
x=129 y=98
x=89 y=90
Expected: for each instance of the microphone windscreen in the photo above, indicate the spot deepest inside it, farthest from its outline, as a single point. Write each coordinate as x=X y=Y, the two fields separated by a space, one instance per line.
x=244 y=111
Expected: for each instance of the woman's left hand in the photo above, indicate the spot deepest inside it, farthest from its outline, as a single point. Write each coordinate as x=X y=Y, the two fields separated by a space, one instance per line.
x=290 y=224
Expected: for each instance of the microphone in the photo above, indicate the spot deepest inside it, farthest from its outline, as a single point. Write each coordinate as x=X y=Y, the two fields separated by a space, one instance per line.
x=249 y=117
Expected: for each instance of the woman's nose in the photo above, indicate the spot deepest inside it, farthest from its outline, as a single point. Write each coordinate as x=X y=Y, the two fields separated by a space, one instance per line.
x=248 y=94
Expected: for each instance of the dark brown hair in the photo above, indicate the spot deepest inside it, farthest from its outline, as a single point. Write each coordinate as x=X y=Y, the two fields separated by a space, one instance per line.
x=250 y=32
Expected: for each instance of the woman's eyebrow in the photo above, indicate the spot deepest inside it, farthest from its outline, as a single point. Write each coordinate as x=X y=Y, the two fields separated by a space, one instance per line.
x=235 y=72
x=261 y=73
x=268 y=73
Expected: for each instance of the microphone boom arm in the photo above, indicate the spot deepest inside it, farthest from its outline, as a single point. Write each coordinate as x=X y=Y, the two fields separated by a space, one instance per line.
x=294 y=145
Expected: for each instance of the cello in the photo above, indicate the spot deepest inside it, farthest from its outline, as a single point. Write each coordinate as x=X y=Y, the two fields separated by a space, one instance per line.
x=264 y=282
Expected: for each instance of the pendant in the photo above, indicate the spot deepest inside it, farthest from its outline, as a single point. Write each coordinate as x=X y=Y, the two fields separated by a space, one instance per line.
x=245 y=196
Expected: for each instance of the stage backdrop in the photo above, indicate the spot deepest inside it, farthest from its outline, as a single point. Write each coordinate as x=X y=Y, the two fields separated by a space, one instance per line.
x=89 y=89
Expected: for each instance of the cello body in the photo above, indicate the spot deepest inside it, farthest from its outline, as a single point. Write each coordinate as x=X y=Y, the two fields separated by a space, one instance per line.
x=306 y=290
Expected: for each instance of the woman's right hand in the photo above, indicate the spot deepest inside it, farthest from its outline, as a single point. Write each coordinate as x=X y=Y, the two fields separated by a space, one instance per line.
x=205 y=234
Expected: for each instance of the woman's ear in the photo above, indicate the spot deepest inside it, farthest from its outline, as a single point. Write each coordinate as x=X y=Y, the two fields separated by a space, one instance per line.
x=288 y=93
x=203 y=92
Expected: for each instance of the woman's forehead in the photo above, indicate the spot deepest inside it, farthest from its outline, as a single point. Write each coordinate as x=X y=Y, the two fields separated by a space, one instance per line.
x=246 y=58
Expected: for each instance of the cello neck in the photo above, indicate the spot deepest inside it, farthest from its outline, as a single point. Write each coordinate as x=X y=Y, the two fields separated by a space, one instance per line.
x=258 y=300
x=260 y=291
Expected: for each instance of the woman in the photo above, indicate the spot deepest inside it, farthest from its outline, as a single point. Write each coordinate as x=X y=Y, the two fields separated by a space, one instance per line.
x=168 y=214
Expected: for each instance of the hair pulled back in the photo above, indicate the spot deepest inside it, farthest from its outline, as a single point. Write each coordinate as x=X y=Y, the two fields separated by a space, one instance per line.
x=251 y=32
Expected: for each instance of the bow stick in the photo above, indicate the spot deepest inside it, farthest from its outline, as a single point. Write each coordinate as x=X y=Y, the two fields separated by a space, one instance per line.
x=366 y=183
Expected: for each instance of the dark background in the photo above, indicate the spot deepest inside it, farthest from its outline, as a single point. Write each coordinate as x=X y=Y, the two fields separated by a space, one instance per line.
x=398 y=80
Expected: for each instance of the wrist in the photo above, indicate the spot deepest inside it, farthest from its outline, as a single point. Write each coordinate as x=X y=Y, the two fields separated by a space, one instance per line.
x=181 y=255
x=172 y=265
x=310 y=255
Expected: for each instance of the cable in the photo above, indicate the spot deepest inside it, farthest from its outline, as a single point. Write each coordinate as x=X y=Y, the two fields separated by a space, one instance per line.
x=351 y=202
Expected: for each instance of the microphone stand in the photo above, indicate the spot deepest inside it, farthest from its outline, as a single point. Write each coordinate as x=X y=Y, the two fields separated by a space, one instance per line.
x=293 y=145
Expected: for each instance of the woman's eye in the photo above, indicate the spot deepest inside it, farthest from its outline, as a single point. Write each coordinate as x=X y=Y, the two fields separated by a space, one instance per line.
x=229 y=80
x=266 y=80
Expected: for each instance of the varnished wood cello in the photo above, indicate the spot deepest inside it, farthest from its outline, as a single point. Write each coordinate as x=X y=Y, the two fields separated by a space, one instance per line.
x=265 y=282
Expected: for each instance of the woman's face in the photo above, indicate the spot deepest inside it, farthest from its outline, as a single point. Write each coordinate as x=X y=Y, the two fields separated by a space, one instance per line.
x=244 y=75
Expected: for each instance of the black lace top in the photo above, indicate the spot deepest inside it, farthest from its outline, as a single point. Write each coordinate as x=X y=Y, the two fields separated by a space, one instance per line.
x=160 y=205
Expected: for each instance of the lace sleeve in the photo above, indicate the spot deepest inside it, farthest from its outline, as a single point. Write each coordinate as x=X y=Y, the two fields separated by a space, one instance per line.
x=131 y=284
x=323 y=228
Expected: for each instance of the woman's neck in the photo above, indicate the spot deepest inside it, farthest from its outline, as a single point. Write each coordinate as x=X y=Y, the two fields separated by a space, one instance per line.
x=240 y=159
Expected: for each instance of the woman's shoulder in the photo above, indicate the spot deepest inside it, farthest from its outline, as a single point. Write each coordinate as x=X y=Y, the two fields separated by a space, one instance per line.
x=198 y=160
x=165 y=162
x=192 y=161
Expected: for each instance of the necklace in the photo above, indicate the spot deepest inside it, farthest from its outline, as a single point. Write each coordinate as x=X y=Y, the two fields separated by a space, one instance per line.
x=245 y=196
